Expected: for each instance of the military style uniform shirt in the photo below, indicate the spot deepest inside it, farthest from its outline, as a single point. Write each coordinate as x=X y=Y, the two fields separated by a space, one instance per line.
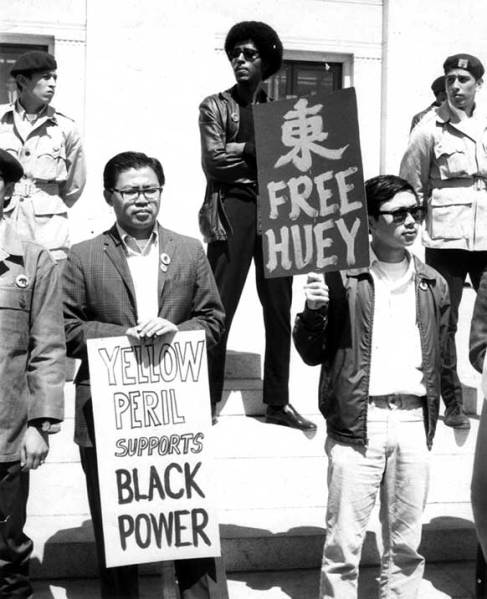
x=32 y=348
x=50 y=151
x=446 y=163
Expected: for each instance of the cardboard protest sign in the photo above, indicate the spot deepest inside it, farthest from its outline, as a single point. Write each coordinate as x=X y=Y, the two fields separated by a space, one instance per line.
x=311 y=191
x=152 y=422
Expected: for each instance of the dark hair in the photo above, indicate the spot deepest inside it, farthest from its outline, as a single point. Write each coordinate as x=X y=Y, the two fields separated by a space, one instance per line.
x=265 y=39
x=127 y=160
x=383 y=188
x=28 y=75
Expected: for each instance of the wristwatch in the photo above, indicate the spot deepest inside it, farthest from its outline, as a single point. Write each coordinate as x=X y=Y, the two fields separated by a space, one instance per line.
x=45 y=425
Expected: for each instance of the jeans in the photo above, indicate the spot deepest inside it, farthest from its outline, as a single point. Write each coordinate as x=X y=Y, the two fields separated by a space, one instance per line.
x=395 y=463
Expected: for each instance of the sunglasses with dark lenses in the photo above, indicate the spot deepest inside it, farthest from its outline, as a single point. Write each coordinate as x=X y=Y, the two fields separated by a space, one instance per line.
x=249 y=53
x=400 y=215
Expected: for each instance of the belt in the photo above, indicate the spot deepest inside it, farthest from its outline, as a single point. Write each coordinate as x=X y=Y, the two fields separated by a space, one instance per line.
x=477 y=182
x=27 y=187
x=397 y=401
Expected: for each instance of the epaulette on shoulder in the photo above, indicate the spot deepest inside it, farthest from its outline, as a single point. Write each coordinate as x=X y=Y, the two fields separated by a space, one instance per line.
x=64 y=116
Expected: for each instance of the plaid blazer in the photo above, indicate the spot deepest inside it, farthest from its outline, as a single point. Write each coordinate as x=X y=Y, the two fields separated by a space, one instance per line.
x=99 y=301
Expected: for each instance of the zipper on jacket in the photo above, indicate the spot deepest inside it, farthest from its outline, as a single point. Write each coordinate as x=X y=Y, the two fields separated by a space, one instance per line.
x=369 y=354
x=425 y=356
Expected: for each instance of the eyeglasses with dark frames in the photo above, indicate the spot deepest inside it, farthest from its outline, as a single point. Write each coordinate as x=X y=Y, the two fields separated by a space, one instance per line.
x=249 y=53
x=133 y=194
x=399 y=216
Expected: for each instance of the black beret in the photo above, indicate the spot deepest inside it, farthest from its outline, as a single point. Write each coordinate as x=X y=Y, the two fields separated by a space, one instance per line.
x=438 y=85
x=34 y=61
x=464 y=61
x=10 y=167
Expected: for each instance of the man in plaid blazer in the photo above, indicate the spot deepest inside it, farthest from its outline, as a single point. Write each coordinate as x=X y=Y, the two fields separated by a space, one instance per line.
x=141 y=280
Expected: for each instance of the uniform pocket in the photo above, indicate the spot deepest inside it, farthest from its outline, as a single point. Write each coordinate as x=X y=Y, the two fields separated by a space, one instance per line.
x=450 y=214
x=14 y=315
x=50 y=162
x=44 y=204
x=451 y=158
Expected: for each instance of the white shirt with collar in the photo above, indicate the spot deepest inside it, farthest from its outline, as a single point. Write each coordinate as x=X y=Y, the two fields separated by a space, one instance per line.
x=396 y=364
x=26 y=123
x=144 y=269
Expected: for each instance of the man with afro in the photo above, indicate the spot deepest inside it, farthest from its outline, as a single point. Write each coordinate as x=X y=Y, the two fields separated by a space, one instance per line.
x=228 y=217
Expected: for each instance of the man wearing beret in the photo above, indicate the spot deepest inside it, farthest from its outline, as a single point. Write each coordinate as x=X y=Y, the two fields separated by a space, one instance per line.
x=32 y=353
x=438 y=89
x=228 y=217
x=48 y=145
x=446 y=163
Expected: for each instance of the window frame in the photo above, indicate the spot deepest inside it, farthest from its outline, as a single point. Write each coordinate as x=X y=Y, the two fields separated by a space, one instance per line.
x=303 y=56
x=28 y=39
x=25 y=40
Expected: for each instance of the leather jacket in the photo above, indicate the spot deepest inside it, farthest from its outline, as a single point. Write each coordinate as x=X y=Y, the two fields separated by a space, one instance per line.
x=219 y=122
x=340 y=337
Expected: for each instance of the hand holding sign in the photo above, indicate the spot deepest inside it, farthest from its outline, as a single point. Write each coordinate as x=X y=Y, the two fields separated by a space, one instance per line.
x=152 y=327
x=316 y=291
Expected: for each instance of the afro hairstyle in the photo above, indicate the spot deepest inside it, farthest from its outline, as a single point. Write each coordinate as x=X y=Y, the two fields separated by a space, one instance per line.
x=265 y=39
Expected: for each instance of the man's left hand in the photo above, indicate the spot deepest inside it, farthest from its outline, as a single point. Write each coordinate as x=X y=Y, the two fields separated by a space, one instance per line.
x=154 y=327
x=34 y=449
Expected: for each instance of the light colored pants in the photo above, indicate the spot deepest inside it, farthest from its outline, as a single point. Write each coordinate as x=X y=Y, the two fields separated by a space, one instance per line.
x=479 y=481
x=396 y=462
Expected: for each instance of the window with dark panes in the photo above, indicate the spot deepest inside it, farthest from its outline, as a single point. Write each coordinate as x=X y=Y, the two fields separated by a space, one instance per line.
x=300 y=78
x=8 y=55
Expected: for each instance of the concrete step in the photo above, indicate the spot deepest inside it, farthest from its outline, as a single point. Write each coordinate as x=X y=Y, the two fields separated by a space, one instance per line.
x=440 y=581
x=270 y=480
x=271 y=490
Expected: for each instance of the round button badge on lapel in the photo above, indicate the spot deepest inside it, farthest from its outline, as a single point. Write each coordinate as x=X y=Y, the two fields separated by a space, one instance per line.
x=22 y=281
x=165 y=261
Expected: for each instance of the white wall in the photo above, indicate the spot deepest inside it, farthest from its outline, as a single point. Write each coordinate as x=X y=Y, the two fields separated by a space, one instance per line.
x=420 y=35
x=149 y=63
x=148 y=71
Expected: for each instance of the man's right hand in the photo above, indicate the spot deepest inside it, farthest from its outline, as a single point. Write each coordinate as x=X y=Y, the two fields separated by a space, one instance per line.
x=316 y=291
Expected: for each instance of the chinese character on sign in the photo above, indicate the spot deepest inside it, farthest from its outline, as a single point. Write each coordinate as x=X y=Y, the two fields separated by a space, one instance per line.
x=301 y=131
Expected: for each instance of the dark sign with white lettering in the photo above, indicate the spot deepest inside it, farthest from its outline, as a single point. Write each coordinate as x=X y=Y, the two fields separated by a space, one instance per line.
x=311 y=191
x=152 y=419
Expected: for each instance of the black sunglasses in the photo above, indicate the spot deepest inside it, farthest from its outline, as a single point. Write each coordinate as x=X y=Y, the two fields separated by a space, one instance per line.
x=400 y=215
x=249 y=53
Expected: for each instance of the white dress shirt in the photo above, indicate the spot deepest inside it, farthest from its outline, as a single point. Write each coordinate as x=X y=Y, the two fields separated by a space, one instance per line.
x=144 y=269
